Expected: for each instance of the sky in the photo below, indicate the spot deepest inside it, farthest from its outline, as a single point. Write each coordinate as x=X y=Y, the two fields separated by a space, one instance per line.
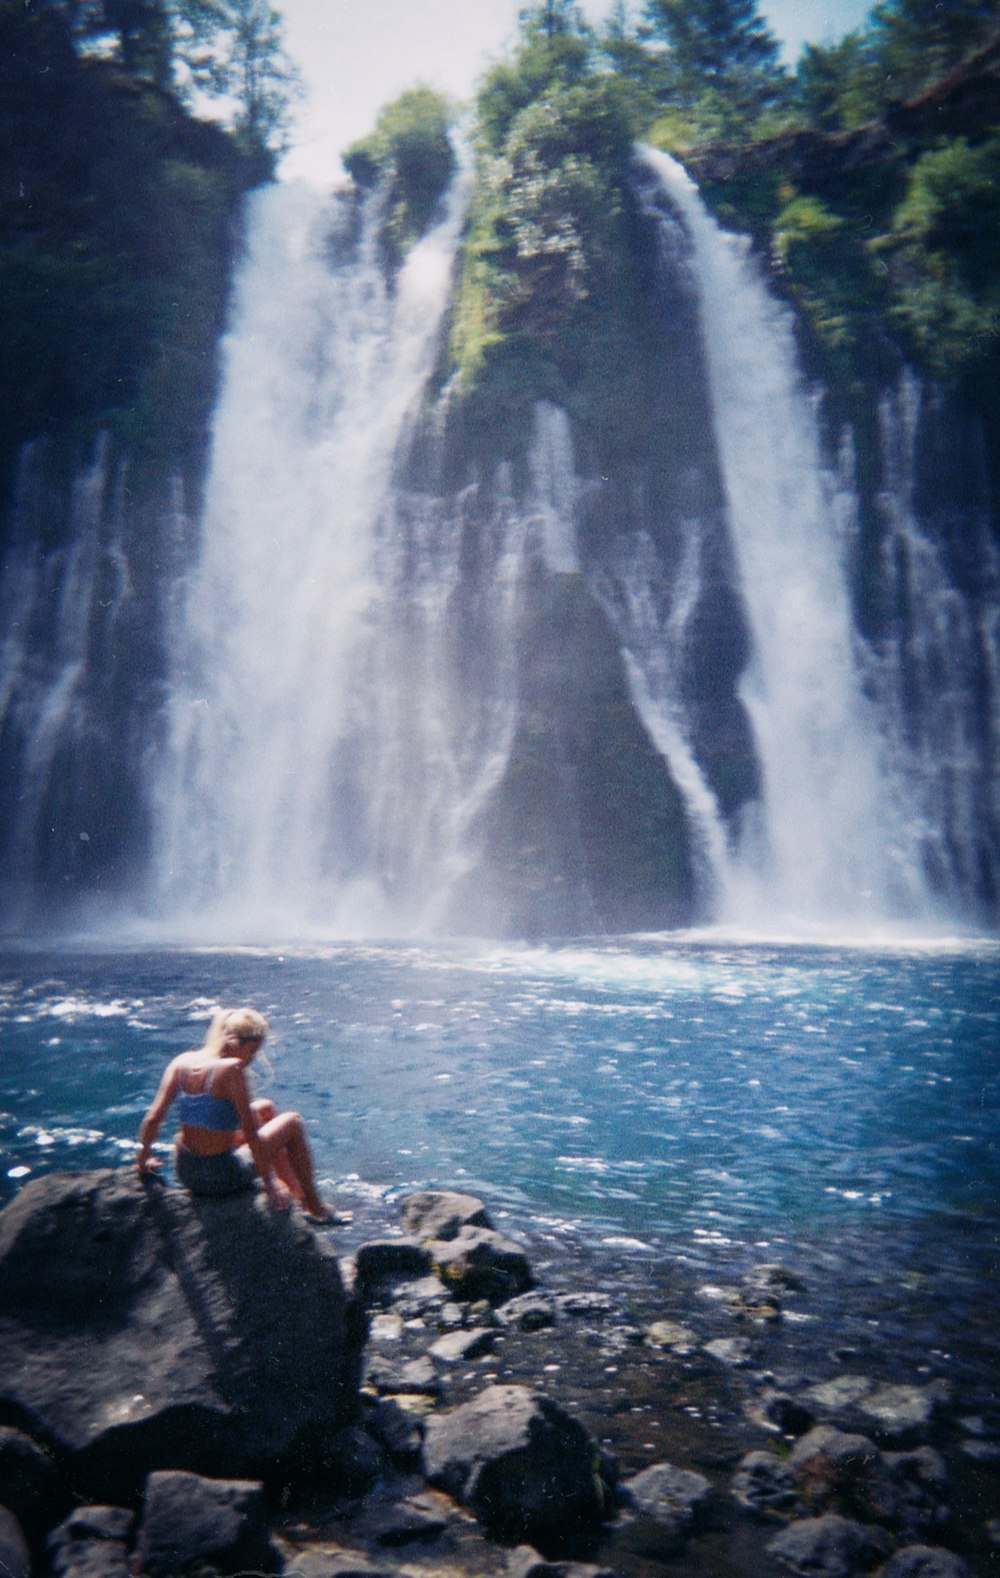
x=357 y=55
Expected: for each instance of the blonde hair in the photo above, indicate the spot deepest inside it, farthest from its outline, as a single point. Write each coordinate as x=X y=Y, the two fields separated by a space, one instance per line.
x=240 y=1024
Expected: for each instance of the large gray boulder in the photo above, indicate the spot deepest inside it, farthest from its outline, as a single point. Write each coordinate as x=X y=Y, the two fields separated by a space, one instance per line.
x=220 y=1524
x=142 y=1328
x=527 y=1469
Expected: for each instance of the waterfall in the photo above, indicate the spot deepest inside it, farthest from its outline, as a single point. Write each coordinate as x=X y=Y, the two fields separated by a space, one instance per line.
x=833 y=839
x=306 y=720
x=936 y=673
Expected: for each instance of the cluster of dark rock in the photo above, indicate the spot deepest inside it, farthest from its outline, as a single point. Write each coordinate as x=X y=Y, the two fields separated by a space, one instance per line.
x=201 y=1386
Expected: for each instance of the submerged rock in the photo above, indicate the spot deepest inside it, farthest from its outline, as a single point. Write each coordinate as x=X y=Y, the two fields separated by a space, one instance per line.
x=763 y=1484
x=829 y=1547
x=665 y=1503
x=143 y=1328
x=925 y=1561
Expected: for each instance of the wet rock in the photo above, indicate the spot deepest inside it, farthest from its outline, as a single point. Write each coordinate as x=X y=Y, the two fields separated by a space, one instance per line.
x=481 y=1264
x=924 y=1561
x=829 y=1462
x=457 y=1346
x=15 y=1558
x=93 y=1542
x=829 y=1547
x=586 y=1304
x=187 y=1519
x=388 y=1259
x=28 y=1478
x=442 y=1214
x=349 y=1462
x=763 y=1484
x=849 y=1474
x=526 y=1468
x=423 y=1298
x=901 y=1415
x=667 y=1502
x=137 y=1322
x=416 y=1376
x=413 y=1520
x=981 y=1451
x=397 y=1430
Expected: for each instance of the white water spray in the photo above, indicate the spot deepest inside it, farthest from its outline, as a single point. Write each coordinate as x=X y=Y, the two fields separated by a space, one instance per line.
x=834 y=841
x=262 y=806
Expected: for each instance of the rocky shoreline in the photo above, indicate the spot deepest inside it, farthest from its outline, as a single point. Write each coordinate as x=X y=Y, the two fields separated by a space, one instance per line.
x=207 y=1387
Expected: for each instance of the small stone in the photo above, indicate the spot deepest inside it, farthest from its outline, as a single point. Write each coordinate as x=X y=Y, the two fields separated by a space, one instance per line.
x=670 y=1334
x=734 y=1351
x=773 y=1279
x=667 y=1494
x=527 y=1312
x=457 y=1346
x=763 y=1484
x=415 y=1375
x=924 y=1561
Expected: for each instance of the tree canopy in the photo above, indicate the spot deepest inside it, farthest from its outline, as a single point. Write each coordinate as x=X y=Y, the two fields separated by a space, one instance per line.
x=224 y=55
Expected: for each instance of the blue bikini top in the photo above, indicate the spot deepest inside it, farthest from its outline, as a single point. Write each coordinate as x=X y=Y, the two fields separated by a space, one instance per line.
x=205 y=1111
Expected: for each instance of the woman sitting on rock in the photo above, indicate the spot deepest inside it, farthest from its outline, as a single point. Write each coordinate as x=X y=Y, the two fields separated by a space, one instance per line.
x=226 y=1140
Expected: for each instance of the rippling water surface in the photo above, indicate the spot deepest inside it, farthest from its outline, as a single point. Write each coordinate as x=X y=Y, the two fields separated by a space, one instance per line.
x=704 y=1101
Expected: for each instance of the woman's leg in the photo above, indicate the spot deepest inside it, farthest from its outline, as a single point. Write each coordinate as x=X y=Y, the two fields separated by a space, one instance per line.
x=284 y=1139
x=264 y=1111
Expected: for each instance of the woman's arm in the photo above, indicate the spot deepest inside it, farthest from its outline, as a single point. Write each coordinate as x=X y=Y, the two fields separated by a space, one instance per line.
x=149 y=1128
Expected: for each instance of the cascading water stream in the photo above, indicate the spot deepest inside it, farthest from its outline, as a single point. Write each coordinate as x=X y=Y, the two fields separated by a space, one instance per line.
x=834 y=842
x=276 y=765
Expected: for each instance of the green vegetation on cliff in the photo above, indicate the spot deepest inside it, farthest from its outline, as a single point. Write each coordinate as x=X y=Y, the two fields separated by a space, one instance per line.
x=878 y=219
x=551 y=296
x=410 y=151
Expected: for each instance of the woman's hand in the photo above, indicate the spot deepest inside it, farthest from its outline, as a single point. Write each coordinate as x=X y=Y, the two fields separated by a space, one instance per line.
x=147 y=1165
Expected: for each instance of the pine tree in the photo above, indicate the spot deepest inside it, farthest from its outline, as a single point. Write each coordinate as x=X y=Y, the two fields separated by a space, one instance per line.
x=719 y=49
x=918 y=41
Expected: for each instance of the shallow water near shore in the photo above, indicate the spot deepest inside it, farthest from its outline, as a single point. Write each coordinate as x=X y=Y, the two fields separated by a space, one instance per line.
x=652 y=1116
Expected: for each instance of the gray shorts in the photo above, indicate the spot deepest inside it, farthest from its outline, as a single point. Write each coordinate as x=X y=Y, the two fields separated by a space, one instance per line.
x=231 y=1172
